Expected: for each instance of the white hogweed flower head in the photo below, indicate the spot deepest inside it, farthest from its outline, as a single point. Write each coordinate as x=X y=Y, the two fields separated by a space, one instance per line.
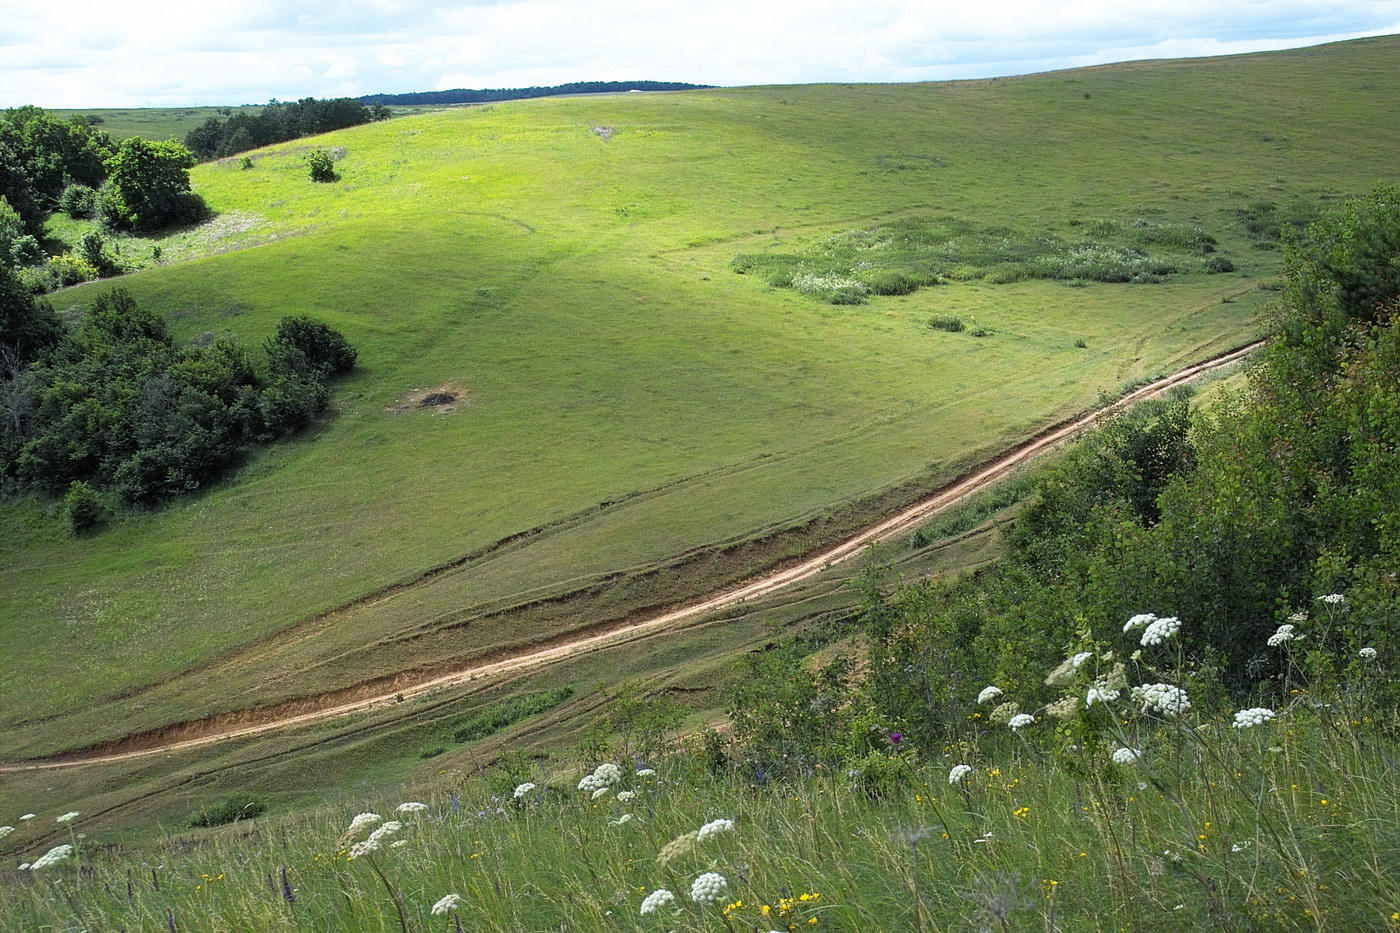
x=988 y=694
x=1284 y=634
x=677 y=847
x=656 y=900
x=1334 y=599
x=714 y=828
x=1100 y=693
x=624 y=818
x=27 y=816
x=52 y=857
x=588 y=784
x=608 y=773
x=412 y=807
x=957 y=773
x=1078 y=660
x=1166 y=699
x=1020 y=721
x=388 y=829
x=1159 y=630
x=1126 y=756
x=523 y=789
x=626 y=795
x=5 y=831
x=1138 y=621
x=1366 y=654
x=646 y=772
x=446 y=905
x=360 y=822
x=361 y=849
x=600 y=792
x=67 y=817
x=709 y=888
x=1255 y=716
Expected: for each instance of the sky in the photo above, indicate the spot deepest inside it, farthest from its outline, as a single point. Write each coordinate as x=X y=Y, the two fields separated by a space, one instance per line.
x=161 y=53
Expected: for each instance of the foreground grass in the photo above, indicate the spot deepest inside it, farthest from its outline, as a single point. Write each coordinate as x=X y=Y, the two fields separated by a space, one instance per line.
x=1292 y=825
x=640 y=423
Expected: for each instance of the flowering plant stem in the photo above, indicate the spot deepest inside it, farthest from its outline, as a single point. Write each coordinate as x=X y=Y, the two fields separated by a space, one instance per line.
x=393 y=893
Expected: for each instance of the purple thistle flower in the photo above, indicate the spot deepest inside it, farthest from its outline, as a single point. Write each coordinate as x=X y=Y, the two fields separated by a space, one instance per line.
x=896 y=738
x=287 y=888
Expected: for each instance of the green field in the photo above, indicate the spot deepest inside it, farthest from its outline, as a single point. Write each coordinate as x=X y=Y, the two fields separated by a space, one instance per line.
x=639 y=422
x=153 y=122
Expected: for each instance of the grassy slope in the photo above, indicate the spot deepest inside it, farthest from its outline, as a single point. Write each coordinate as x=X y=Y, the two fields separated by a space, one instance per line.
x=153 y=122
x=578 y=288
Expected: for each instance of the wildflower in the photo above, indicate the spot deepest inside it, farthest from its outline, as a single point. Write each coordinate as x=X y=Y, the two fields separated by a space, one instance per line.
x=67 y=817
x=988 y=694
x=1334 y=599
x=1021 y=812
x=600 y=792
x=709 y=888
x=388 y=829
x=1159 y=630
x=656 y=900
x=958 y=772
x=624 y=818
x=625 y=795
x=1284 y=634
x=714 y=828
x=1020 y=721
x=1256 y=716
x=361 y=849
x=1100 y=693
x=1003 y=713
x=52 y=857
x=589 y=783
x=1138 y=621
x=27 y=816
x=1367 y=654
x=608 y=773
x=677 y=847
x=1064 y=707
x=896 y=738
x=1163 y=698
x=399 y=844
x=1078 y=660
x=646 y=772
x=360 y=822
x=524 y=789
x=1240 y=846
x=1126 y=756
x=446 y=905
x=5 y=831
x=412 y=807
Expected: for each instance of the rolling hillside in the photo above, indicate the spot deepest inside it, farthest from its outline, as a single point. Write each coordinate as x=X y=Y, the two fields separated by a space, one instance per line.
x=635 y=423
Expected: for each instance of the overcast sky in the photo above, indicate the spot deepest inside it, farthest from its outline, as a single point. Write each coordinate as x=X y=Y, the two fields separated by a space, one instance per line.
x=161 y=53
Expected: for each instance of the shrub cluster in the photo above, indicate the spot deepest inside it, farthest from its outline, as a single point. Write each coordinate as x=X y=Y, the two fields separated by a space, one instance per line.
x=278 y=122
x=116 y=406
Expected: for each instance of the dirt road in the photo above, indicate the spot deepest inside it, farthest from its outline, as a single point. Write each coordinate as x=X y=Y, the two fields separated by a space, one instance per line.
x=939 y=501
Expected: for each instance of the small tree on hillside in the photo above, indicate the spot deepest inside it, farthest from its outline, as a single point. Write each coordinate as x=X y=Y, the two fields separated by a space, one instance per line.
x=148 y=187
x=321 y=166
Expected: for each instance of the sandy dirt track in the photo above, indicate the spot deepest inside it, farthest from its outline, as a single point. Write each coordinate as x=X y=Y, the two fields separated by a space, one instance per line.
x=944 y=498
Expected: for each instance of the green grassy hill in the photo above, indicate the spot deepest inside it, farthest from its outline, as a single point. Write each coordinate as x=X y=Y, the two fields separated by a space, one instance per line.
x=638 y=423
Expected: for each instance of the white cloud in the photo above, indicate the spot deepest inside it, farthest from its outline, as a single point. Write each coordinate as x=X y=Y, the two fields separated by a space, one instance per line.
x=159 y=52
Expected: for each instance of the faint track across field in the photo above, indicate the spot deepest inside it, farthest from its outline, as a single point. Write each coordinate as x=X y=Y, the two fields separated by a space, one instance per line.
x=219 y=728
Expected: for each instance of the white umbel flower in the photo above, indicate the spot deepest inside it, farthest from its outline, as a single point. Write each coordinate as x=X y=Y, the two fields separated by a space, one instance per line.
x=1366 y=654
x=1334 y=599
x=656 y=900
x=388 y=829
x=1078 y=660
x=646 y=772
x=1284 y=634
x=361 y=821
x=600 y=792
x=67 y=817
x=709 y=888
x=1100 y=693
x=1255 y=716
x=1020 y=721
x=1166 y=699
x=5 y=831
x=608 y=773
x=988 y=694
x=624 y=818
x=588 y=784
x=714 y=828
x=1126 y=756
x=1159 y=630
x=1138 y=621
x=52 y=857
x=361 y=849
x=412 y=807
x=626 y=795
x=446 y=905
x=958 y=772
x=523 y=789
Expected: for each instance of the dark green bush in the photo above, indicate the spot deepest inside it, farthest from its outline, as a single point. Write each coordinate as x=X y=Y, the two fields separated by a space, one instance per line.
x=321 y=166
x=890 y=282
x=948 y=322
x=77 y=201
x=236 y=806
x=1217 y=264
x=325 y=349
x=82 y=508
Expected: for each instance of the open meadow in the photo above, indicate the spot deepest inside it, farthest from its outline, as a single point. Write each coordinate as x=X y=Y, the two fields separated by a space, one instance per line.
x=634 y=423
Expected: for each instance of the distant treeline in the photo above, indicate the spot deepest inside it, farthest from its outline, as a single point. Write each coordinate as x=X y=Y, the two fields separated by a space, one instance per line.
x=278 y=122
x=486 y=95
